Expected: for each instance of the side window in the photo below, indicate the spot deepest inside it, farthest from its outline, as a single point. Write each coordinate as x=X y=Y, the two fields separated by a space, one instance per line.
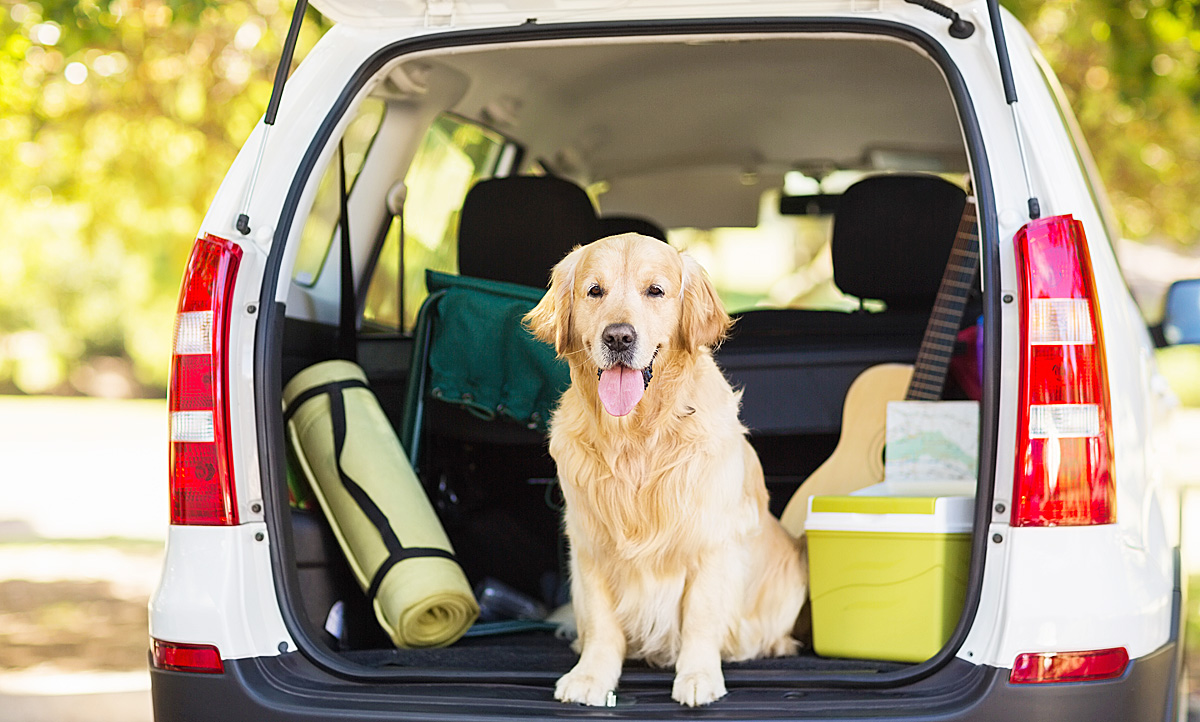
x=453 y=156
x=317 y=234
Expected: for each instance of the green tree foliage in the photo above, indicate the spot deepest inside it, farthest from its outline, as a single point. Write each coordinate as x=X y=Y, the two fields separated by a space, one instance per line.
x=118 y=119
x=1128 y=68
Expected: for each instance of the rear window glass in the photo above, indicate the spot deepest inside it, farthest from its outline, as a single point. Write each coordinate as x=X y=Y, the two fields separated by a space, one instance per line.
x=317 y=235
x=454 y=155
x=786 y=260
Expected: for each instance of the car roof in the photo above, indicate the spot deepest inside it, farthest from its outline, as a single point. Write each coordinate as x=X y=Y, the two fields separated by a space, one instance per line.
x=417 y=13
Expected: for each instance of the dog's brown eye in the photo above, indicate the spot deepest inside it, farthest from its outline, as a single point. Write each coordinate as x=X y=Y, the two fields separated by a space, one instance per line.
x=654 y=291
x=594 y=291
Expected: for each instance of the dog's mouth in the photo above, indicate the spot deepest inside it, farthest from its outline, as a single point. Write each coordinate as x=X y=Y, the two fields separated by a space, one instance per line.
x=622 y=387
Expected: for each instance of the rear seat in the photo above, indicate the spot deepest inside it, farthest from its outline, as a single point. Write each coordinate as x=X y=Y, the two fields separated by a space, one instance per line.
x=515 y=229
x=512 y=230
x=892 y=236
x=480 y=449
x=616 y=225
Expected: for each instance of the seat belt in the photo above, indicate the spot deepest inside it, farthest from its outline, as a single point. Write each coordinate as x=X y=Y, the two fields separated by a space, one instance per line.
x=348 y=312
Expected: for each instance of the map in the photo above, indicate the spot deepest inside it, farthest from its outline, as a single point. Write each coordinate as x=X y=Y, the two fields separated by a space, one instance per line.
x=931 y=441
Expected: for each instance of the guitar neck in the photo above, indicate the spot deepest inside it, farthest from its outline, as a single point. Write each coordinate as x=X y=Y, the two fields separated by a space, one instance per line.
x=941 y=332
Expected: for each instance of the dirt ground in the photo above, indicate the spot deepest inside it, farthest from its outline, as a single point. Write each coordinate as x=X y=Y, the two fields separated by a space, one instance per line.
x=73 y=630
x=75 y=625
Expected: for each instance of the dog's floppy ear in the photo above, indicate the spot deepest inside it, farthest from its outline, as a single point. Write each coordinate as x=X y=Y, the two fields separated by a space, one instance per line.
x=550 y=320
x=703 y=321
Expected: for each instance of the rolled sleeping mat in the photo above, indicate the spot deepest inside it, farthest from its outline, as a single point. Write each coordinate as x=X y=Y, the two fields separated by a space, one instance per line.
x=377 y=507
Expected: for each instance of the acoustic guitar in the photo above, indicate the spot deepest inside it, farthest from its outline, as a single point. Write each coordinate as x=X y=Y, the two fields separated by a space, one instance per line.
x=857 y=460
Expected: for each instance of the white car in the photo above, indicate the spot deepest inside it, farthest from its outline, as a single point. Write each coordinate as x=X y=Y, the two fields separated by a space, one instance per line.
x=824 y=160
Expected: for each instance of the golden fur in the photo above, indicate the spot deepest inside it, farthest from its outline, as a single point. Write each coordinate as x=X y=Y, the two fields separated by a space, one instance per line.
x=675 y=557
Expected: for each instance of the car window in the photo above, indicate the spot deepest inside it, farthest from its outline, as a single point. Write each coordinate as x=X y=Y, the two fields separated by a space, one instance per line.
x=453 y=156
x=317 y=234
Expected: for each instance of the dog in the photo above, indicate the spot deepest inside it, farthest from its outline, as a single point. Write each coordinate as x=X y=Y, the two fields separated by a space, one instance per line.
x=674 y=555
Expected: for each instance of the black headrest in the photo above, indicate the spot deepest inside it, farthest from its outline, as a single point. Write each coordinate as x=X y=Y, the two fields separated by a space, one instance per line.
x=892 y=236
x=616 y=225
x=515 y=229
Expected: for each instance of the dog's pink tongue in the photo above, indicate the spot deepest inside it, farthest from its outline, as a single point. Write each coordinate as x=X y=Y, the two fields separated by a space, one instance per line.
x=620 y=389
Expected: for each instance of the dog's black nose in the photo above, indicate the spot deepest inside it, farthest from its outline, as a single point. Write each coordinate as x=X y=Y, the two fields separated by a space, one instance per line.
x=619 y=336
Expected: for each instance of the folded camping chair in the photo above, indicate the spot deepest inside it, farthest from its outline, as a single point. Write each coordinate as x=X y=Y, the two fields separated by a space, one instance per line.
x=472 y=350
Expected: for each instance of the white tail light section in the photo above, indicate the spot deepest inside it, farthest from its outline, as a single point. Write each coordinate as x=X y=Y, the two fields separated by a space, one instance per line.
x=201 y=468
x=1064 y=434
x=1064 y=421
x=193 y=332
x=1057 y=321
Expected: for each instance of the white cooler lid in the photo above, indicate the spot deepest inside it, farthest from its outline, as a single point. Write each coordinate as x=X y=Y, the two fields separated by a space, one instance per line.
x=884 y=508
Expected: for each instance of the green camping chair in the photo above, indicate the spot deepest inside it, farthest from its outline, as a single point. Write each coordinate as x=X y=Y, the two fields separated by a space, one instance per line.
x=473 y=351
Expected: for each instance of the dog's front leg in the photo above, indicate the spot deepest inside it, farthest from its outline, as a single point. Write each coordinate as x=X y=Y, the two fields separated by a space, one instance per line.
x=601 y=639
x=710 y=606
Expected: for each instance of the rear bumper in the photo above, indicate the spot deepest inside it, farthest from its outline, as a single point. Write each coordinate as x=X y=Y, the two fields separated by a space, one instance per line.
x=289 y=687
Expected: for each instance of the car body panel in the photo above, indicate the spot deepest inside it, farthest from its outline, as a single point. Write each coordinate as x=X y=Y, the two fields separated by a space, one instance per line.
x=216 y=589
x=1041 y=589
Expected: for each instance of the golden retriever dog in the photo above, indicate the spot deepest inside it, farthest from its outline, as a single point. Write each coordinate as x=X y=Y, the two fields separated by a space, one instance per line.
x=675 y=557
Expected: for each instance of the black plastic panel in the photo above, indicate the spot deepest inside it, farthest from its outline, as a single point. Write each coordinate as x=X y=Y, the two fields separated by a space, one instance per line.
x=290 y=688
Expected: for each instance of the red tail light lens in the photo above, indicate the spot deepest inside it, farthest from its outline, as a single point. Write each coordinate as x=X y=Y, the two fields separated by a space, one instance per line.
x=204 y=658
x=1064 y=434
x=201 y=467
x=1039 y=668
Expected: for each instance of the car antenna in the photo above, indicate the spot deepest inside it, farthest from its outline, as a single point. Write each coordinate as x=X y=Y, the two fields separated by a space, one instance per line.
x=959 y=28
x=1010 y=97
x=281 y=74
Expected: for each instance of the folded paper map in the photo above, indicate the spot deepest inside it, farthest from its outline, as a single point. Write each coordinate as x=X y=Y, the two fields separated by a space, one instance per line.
x=931 y=441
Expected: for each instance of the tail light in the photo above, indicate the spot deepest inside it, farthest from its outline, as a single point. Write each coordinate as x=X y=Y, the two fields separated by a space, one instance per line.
x=176 y=657
x=1064 y=434
x=1035 y=668
x=201 y=466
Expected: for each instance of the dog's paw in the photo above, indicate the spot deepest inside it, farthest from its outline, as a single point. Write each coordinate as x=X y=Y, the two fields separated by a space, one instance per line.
x=698 y=688
x=584 y=688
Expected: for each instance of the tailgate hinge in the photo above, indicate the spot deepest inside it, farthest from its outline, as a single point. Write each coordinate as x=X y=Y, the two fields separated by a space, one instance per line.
x=439 y=13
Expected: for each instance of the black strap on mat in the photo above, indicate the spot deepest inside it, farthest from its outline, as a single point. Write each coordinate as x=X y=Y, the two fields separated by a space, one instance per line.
x=397 y=552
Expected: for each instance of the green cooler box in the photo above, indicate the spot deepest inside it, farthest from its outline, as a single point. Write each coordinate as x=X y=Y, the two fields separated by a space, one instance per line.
x=887 y=574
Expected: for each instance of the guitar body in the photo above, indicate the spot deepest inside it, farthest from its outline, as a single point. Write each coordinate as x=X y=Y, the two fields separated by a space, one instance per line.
x=857 y=460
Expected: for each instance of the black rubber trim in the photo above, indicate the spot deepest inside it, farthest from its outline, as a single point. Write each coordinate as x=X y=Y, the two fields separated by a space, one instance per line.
x=267 y=357
x=291 y=688
x=348 y=306
x=397 y=552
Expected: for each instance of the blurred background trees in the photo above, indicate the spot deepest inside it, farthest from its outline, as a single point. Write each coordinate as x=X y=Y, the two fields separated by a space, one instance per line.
x=118 y=119
x=1128 y=68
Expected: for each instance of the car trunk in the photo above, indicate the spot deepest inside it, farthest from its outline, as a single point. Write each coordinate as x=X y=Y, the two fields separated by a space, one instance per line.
x=637 y=123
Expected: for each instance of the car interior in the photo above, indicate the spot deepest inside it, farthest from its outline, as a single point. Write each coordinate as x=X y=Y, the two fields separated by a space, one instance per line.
x=819 y=178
